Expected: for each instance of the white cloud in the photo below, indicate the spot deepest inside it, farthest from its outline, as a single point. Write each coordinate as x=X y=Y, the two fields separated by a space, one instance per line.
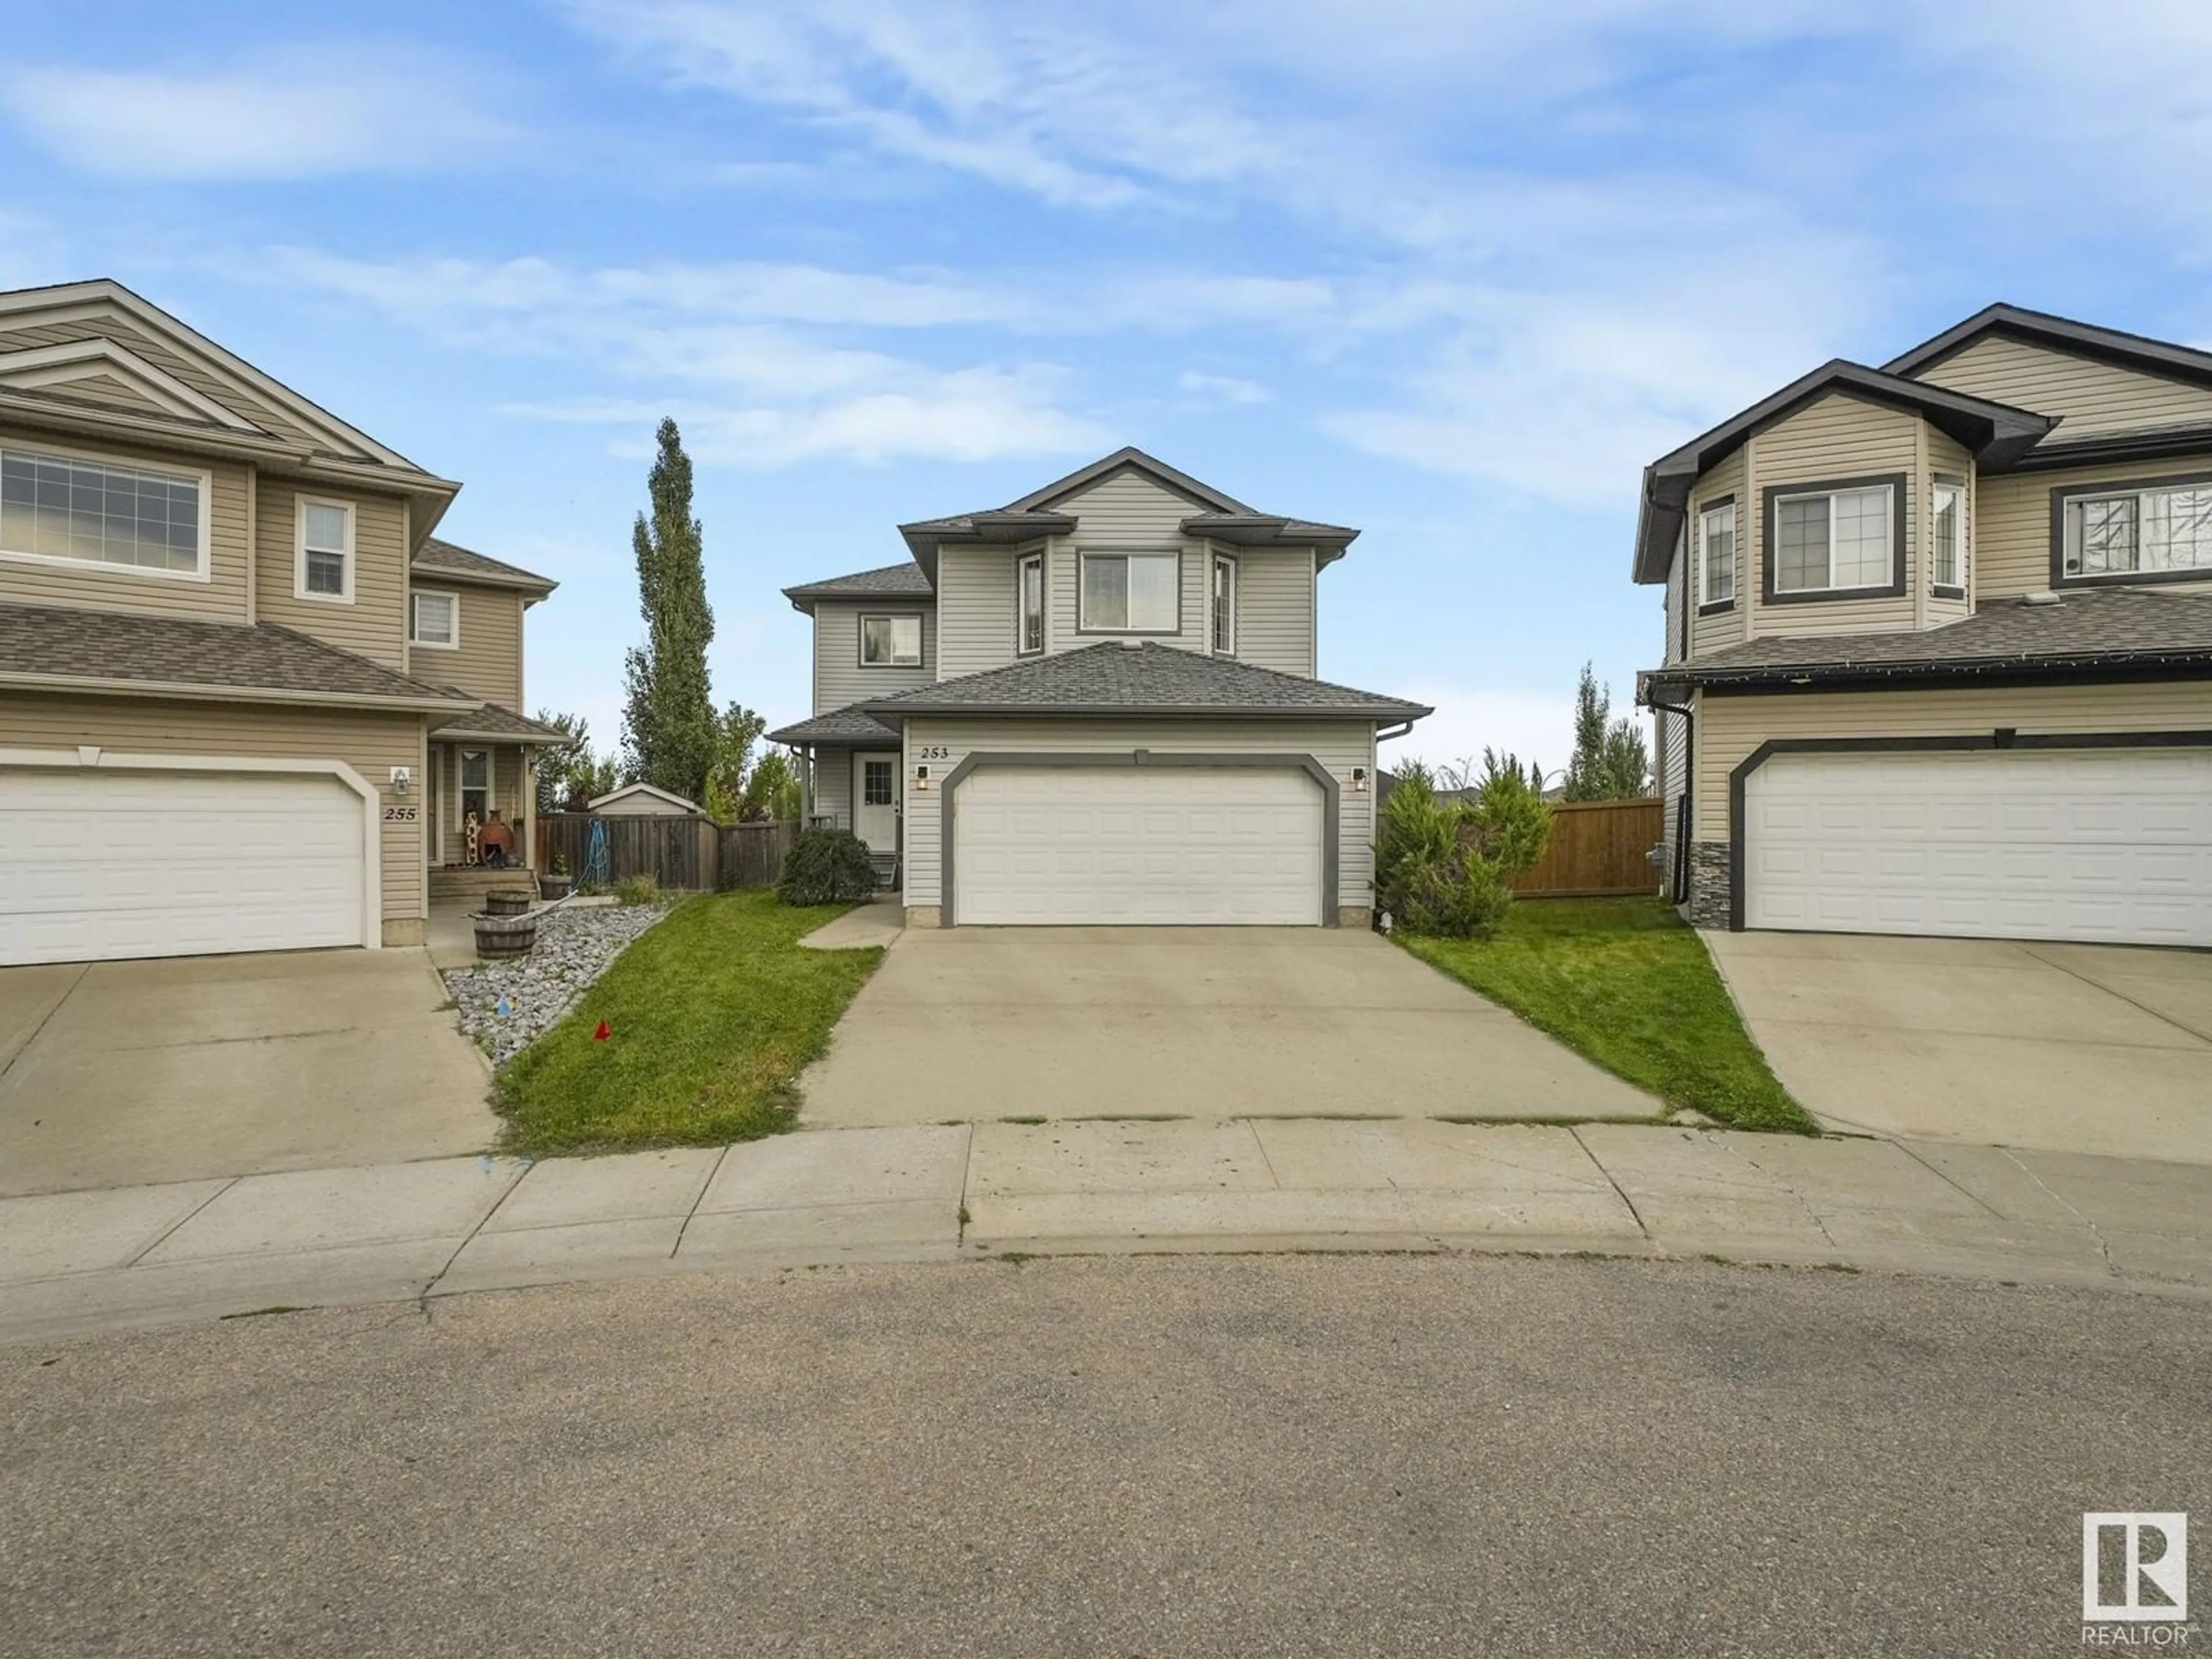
x=965 y=414
x=1220 y=388
x=294 y=113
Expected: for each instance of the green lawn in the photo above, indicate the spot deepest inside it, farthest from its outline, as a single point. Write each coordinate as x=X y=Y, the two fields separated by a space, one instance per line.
x=1625 y=983
x=713 y=1013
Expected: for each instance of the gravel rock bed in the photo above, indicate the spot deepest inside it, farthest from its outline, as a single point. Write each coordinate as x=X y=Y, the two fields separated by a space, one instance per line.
x=573 y=948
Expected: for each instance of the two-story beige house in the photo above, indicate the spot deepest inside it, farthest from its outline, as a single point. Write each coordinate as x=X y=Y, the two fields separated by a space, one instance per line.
x=247 y=701
x=1939 y=643
x=1098 y=704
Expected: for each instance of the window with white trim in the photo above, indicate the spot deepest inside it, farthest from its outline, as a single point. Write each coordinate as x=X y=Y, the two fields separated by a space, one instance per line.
x=437 y=620
x=1130 y=593
x=891 y=642
x=326 y=569
x=1029 y=600
x=2140 y=532
x=1717 y=555
x=1946 y=562
x=1225 y=605
x=1834 y=541
x=89 y=512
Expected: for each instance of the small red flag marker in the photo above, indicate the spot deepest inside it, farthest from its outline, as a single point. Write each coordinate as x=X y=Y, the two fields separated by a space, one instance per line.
x=605 y=1031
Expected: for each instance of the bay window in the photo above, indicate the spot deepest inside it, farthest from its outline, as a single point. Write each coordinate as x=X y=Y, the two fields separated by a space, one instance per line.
x=1225 y=605
x=1716 y=556
x=1130 y=593
x=1834 y=541
x=1947 y=551
x=1029 y=601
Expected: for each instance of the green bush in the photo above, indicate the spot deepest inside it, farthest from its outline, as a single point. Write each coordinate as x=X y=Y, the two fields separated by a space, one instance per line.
x=827 y=866
x=637 y=889
x=1445 y=865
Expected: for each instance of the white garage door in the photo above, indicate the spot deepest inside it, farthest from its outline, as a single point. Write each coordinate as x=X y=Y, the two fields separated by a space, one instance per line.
x=2111 y=845
x=1142 y=846
x=97 y=864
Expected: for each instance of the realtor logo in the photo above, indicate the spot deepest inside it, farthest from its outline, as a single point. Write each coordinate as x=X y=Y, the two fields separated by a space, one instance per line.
x=2151 y=1555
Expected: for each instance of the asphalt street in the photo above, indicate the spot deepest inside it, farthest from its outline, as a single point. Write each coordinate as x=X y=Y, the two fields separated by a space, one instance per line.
x=1285 y=1455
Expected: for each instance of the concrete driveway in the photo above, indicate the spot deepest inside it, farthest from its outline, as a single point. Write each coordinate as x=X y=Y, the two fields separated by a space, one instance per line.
x=981 y=1022
x=121 y=1074
x=2058 y=1047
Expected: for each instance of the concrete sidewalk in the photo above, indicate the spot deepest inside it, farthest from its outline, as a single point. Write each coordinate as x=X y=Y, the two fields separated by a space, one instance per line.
x=75 y=1262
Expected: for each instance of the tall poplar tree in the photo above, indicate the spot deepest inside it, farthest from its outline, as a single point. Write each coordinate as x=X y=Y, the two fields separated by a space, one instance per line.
x=669 y=726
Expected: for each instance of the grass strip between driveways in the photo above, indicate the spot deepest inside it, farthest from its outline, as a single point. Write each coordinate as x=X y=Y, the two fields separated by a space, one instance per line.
x=1625 y=983
x=712 y=1014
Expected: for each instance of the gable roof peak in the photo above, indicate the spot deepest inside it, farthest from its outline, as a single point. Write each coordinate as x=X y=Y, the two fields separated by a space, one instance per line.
x=2114 y=345
x=1127 y=458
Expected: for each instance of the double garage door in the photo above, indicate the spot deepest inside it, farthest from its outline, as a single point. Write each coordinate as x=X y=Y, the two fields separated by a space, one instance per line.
x=2107 y=845
x=1138 y=846
x=97 y=864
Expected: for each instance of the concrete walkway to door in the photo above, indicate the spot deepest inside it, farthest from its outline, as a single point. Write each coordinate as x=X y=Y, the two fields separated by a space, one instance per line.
x=980 y=1024
x=2096 y=1048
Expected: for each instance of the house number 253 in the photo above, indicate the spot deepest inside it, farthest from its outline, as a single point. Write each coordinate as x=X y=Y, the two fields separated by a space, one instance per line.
x=932 y=751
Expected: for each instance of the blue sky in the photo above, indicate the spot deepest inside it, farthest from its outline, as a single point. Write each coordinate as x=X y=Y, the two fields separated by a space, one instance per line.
x=1448 y=271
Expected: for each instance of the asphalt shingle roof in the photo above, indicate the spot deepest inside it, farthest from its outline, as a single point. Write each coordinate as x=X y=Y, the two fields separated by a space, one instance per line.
x=450 y=560
x=903 y=579
x=847 y=725
x=51 y=641
x=1115 y=679
x=2086 y=628
x=491 y=720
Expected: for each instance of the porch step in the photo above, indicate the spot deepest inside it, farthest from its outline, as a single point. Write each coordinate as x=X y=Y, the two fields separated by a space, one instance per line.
x=887 y=869
x=473 y=883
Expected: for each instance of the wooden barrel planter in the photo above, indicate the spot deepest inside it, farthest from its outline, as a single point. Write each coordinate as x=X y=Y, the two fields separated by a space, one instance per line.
x=508 y=901
x=552 y=886
x=506 y=936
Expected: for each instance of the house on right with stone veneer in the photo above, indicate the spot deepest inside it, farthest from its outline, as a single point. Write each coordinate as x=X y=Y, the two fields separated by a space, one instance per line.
x=1939 y=643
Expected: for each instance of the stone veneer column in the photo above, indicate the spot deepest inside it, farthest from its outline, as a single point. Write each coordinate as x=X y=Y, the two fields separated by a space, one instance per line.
x=1710 y=889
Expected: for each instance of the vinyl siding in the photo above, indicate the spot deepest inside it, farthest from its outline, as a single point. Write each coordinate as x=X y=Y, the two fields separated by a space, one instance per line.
x=2090 y=396
x=375 y=624
x=1129 y=513
x=1275 y=606
x=976 y=603
x=2012 y=541
x=1838 y=437
x=839 y=679
x=1723 y=627
x=487 y=663
x=833 y=786
x=1339 y=745
x=372 y=744
x=111 y=323
x=222 y=597
x=1731 y=727
x=104 y=389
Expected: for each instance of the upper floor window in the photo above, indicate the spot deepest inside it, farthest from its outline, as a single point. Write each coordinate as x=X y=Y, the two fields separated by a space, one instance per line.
x=1834 y=541
x=95 y=512
x=1131 y=592
x=1225 y=605
x=1946 y=560
x=891 y=642
x=436 y=620
x=326 y=569
x=2139 y=532
x=1029 y=598
x=1716 y=555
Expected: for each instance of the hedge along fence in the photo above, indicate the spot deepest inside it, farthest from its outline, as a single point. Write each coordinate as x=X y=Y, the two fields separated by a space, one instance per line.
x=682 y=853
x=1598 y=849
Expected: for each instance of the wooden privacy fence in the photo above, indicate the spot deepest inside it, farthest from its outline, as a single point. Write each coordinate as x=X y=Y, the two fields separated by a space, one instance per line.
x=685 y=854
x=1597 y=848
x=752 y=853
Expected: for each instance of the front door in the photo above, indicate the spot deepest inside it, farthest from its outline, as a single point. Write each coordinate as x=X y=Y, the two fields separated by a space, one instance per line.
x=875 y=801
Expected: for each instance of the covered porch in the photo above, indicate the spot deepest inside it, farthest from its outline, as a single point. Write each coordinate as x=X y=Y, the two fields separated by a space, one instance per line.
x=482 y=792
x=849 y=769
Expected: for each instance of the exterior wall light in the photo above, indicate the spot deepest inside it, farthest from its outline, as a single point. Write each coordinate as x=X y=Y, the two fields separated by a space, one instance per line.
x=921 y=780
x=1358 y=779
